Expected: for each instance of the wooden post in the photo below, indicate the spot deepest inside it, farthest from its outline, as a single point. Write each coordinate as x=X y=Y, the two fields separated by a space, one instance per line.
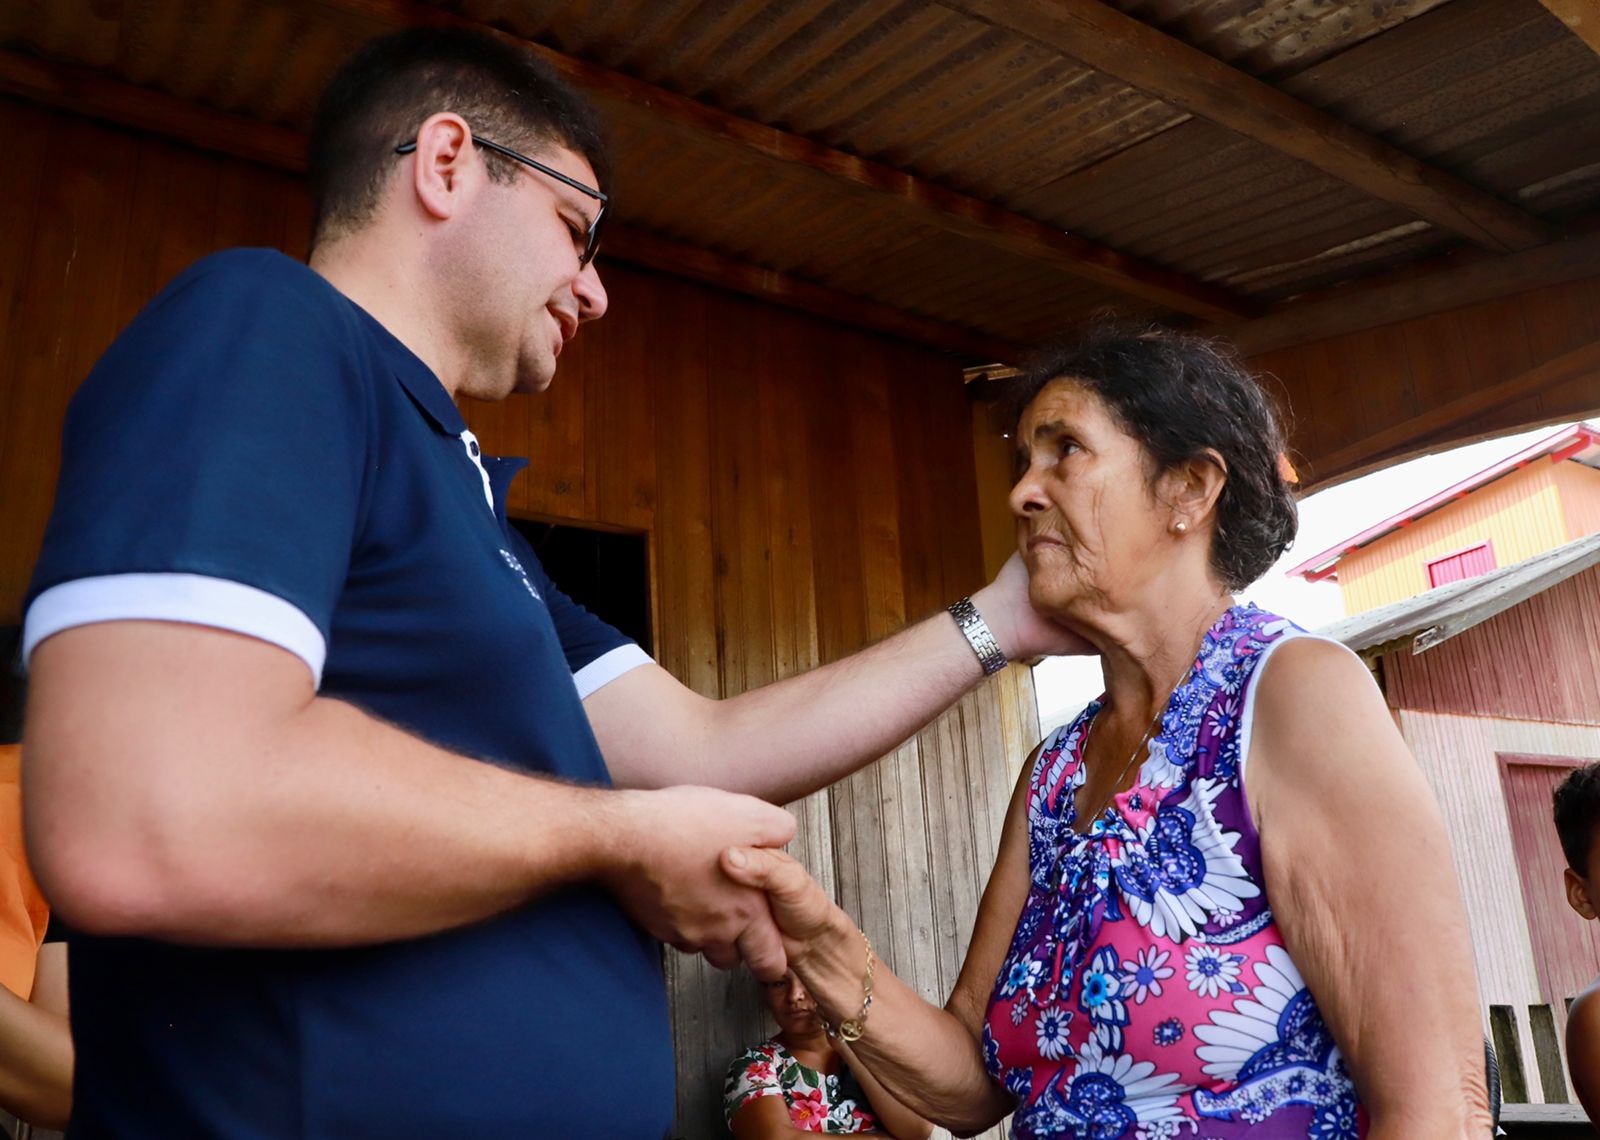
x=1508 y=1047
x=1547 y=1054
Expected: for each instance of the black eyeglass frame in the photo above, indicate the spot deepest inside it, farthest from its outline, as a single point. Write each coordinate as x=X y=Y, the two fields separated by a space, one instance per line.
x=592 y=239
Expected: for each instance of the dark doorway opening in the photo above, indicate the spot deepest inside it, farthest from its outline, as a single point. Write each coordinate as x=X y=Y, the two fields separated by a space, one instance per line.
x=13 y=684
x=605 y=572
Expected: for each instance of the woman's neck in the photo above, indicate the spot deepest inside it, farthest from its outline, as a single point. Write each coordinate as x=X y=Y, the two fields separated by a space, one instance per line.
x=1146 y=652
x=810 y=1049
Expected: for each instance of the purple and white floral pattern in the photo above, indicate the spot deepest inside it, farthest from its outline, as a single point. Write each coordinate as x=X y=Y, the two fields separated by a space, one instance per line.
x=1147 y=992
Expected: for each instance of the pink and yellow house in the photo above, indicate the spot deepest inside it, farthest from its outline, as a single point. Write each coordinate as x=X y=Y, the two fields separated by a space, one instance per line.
x=1536 y=500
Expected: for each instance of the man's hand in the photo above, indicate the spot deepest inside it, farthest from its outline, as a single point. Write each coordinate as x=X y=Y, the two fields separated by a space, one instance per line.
x=1023 y=633
x=804 y=914
x=669 y=881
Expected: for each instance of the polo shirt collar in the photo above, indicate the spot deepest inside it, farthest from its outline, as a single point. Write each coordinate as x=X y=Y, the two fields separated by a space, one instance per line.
x=501 y=470
x=416 y=377
x=429 y=395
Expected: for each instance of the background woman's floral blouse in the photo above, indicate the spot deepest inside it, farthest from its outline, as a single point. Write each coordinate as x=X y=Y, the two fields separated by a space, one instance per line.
x=817 y=1102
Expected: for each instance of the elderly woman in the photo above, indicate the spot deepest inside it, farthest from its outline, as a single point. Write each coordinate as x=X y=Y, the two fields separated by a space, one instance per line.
x=1223 y=903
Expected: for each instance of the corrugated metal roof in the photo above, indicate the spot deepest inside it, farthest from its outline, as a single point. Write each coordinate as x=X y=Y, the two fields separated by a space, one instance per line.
x=1434 y=617
x=1498 y=93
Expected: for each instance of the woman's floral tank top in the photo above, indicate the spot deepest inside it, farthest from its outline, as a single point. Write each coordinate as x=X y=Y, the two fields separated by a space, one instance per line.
x=1147 y=992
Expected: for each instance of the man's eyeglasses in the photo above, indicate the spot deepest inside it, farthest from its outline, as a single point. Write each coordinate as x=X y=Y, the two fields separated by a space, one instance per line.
x=591 y=242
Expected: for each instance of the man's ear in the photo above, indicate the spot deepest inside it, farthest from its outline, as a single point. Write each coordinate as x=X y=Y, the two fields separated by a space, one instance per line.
x=443 y=164
x=1578 y=897
x=1191 y=488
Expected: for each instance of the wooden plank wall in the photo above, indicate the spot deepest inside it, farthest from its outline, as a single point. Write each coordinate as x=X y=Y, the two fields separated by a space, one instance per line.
x=805 y=489
x=1459 y=756
x=1537 y=661
x=88 y=233
x=1351 y=388
x=1579 y=487
x=1566 y=946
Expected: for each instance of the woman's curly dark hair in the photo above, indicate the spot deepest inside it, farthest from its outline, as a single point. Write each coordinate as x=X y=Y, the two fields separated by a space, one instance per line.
x=1576 y=808
x=1179 y=394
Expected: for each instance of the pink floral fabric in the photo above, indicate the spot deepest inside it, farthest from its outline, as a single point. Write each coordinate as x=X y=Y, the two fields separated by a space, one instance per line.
x=1147 y=992
x=817 y=1102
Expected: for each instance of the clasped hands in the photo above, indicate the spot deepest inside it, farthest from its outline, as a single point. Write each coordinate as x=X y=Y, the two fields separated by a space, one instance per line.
x=702 y=871
x=705 y=876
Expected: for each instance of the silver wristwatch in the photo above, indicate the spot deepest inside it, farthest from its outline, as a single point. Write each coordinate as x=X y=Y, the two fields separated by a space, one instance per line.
x=979 y=636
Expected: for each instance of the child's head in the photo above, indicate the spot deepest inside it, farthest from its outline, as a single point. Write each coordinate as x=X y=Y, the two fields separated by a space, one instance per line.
x=1577 y=812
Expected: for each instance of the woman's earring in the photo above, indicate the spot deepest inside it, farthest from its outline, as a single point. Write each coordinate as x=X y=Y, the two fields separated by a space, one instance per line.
x=1180 y=526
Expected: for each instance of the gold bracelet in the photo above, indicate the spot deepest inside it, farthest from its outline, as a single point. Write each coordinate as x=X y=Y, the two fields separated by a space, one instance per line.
x=852 y=1028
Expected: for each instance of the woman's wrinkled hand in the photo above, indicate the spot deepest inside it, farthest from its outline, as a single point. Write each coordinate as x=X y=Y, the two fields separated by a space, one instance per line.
x=804 y=914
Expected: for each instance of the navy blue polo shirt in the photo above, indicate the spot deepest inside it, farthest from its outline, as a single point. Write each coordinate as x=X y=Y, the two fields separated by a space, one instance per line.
x=257 y=453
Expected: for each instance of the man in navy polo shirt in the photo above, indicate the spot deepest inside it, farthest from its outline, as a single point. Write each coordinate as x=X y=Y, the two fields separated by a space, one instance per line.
x=371 y=830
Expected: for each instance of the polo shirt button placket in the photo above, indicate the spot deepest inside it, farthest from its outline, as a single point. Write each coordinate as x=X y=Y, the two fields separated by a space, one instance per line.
x=474 y=453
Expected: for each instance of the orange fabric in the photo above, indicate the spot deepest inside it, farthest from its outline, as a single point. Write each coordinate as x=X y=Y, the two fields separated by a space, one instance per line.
x=23 y=911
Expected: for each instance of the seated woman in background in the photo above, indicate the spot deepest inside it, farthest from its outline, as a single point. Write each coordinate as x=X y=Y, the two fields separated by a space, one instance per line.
x=1223 y=904
x=802 y=1080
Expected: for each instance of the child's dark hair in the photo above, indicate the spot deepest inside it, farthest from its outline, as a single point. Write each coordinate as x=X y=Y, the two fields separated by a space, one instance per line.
x=1577 y=814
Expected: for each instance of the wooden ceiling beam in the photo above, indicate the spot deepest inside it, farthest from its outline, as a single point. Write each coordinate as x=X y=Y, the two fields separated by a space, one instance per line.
x=682 y=260
x=1434 y=286
x=97 y=96
x=1582 y=18
x=1437 y=423
x=93 y=95
x=1107 y=40
x=937 y=205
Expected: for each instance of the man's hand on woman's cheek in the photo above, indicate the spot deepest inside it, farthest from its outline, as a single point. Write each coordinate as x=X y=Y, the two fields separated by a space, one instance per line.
x=1023 y=633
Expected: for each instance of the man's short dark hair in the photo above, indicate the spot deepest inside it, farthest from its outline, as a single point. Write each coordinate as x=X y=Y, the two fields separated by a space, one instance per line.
x=382 y=94
x=1577 y=814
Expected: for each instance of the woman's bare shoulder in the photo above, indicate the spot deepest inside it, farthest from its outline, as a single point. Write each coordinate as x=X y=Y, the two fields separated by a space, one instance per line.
x=1313 y=678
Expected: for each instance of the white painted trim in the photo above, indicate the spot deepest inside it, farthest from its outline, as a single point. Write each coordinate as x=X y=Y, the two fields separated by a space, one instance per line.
x=608 y=667
x=195 y=599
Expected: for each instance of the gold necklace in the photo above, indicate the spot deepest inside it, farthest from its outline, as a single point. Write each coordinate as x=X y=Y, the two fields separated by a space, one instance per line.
x=1083 y=753
x=1137 y=748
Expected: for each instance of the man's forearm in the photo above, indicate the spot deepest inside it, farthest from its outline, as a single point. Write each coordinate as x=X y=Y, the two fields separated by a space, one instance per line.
x=187 y=784
x=327 y=827
x=794 y=736
x=788 y=739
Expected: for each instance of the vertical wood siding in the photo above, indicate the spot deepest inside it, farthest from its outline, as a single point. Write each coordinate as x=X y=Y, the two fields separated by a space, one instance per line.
x=86 y=238
x=1566 y=947
x=1539 y=660
x=1579 y=487
x=1459 y=757
x=805 y=490
x=1519 y=515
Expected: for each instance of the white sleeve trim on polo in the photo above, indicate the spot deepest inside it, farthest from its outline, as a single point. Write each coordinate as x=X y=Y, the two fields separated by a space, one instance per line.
x=608 y=667
x=194 y=599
